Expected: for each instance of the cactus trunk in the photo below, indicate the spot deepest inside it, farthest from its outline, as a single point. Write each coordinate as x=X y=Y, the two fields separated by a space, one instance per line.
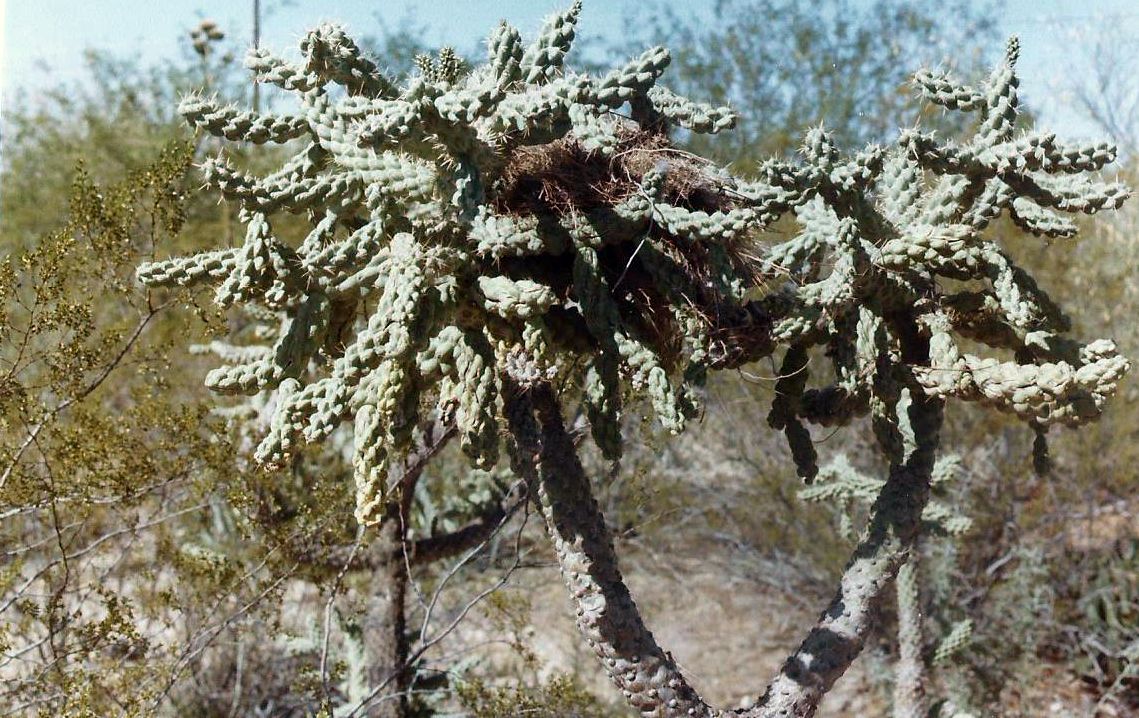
x=841 y=631
x=607 y=616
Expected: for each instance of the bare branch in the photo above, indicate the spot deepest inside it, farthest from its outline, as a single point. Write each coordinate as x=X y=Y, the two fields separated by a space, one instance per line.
x=434 y=548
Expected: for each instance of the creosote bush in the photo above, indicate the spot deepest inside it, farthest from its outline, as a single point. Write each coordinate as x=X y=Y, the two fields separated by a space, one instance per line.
x=96 y=503
x=489 y=244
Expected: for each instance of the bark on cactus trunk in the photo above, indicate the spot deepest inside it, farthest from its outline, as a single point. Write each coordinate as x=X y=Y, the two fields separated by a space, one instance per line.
x=607 y=616
x=894 y=527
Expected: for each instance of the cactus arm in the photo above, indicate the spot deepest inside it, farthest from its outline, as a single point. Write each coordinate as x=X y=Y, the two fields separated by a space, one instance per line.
x=206 y=267
x=330 y=53
x=909 y=673
x=266 y=67
x=544 y=57
x=695 y=116
x=234 y=124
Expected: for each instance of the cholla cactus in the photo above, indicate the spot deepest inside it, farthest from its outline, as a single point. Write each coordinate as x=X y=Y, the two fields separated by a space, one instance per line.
x=464 y=217
x=889 y=224
x=480 y=236
x=843 y=484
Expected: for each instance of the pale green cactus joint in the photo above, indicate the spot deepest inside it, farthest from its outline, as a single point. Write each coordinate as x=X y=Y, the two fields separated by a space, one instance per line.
x=889 y=223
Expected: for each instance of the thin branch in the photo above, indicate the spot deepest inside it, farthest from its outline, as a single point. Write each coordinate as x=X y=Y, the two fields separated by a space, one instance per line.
x=86 y=391
x=428 y=644
x=434 y=548
x=454 y=570
x=328 y=613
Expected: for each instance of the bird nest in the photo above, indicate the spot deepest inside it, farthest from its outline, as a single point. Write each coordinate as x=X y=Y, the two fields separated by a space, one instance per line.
x=568 y=182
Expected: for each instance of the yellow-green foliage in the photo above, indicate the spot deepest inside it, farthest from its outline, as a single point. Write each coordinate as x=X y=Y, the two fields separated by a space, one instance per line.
x=101 y=457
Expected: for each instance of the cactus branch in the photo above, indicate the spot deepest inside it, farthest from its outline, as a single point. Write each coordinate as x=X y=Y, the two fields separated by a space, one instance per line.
x=838 y=637
x=909 y=673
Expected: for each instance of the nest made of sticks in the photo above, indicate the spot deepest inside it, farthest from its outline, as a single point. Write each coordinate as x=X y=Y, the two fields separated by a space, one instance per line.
x=565 y=179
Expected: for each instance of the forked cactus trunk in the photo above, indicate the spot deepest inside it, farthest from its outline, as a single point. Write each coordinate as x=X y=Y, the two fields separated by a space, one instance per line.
x=458 y=261
x=843 y=627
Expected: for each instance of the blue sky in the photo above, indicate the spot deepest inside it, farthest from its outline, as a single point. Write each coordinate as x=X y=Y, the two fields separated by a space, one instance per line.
x=54 y=32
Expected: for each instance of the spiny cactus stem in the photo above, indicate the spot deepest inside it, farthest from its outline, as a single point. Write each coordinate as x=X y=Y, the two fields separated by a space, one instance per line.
x=545 y=457
x=895 y=522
